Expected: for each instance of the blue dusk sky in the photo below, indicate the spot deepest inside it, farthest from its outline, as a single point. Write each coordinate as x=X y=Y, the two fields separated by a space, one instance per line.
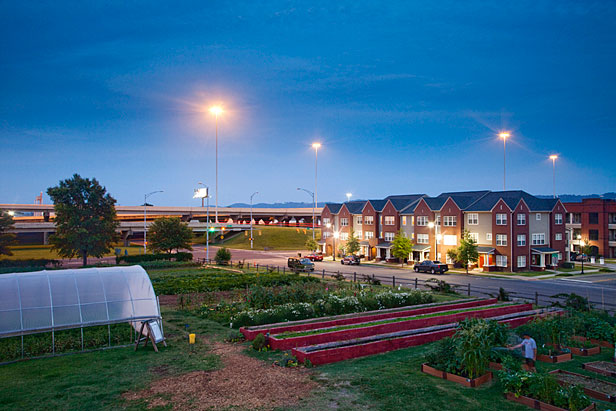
x=405 y=97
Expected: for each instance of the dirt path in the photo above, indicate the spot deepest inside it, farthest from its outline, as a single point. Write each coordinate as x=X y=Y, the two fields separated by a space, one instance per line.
x=243 y=382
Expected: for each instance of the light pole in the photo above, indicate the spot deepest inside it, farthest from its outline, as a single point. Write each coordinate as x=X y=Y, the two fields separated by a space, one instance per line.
x=553 y=157
x=253 y=194
x=313 y=207
x=504 y=136
x=216 y=110
x=200 y=194
x=432 y=225
x=316 y=147
x=145 y=227
x=336 y=235
x=582 y=251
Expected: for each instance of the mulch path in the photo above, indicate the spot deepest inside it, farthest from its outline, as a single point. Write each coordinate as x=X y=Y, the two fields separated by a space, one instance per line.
x=243 y=382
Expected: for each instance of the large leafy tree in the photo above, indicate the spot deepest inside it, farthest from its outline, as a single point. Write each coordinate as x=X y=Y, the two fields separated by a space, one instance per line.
x=85 y=218
x=6 y=238
x=352 y=245
x=467 y=252
x=401 y=247
x=168 y=234
x=311 y=245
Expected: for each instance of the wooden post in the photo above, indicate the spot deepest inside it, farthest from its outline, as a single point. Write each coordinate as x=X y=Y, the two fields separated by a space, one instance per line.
x=536 y=298
x=354 y=277
x=415 y=282
x=393 y=281
x=468 y=292
x=323 y=274
x=257 y=268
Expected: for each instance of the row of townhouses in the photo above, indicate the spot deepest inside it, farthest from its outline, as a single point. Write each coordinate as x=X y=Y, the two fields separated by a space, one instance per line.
x=593 y=220
x=514 y=230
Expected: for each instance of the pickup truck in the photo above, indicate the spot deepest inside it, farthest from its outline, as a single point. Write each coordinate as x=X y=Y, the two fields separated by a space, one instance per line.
x=429 y=266
x=300 y=264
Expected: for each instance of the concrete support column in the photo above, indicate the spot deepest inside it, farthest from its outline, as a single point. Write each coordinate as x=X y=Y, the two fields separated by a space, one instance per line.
x=45 y=237
x=125 y=235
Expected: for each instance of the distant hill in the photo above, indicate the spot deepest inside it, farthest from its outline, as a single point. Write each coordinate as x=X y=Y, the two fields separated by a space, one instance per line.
x=577 y=198
x=276 y=205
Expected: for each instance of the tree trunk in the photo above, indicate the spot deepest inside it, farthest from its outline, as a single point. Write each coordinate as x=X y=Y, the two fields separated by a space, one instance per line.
x=84 y=257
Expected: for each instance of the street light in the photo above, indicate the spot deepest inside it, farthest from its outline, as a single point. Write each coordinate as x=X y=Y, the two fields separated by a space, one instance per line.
x=581 y=251
x=431 y=225
x=553 y=157
x=253 y=194
x=313 y=206
x=348 y=196
x=336 y=235
x=504 y=136
x=199 y=193
x=145 y=227
x=216 y=111
x=316 y=147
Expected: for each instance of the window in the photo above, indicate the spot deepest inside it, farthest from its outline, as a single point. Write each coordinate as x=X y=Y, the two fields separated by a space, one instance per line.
x=344 y=222
x=501 y=219
x=403 y=220
x=389 y=236
x=558 y=236
x=326 y=221
x=450 y=220
x=538 y=239
x=422 y=220
x=358 y=220
x=576 y=218
x=390 y=220
x=501 y=260
x=472 y=219
x=593 y=235
x=369 y=220
x=438 y=220
x=593 y=218
x=422 y=239
x=501 y=239
x=344 y=236
x=369 y=235
x=489 y=237
x=474 y=237
x=521 y=239
x=450 y=240
x=357 y=234
x=521 y=261
x=326 y=234
x=558 y=218
x=538 y=216
x=521 y=219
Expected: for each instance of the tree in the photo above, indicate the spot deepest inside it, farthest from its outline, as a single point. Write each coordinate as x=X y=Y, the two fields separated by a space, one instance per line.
x=467 y=252
x=401 y=247
x=168 y=234
x=6 y=238
x=452 y=253
x=223 y=256
x=352 y=245
x=311 y=244
x=85 y=218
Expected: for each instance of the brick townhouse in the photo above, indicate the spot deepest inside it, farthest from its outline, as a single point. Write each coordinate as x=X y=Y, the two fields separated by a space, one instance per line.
x=594 y=220
x=513 y=229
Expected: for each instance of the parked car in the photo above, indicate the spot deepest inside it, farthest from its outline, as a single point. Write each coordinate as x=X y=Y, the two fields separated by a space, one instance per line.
x=315 y=257
x=300 y=264
x=429 y=266
x=350 y=260
x=582 y=257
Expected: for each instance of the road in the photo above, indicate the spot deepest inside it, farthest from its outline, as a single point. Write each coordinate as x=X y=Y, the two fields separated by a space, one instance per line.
x=599 y=288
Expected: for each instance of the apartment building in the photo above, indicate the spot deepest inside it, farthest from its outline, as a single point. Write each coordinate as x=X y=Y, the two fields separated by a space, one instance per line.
x=514 y=230
x=592 y=220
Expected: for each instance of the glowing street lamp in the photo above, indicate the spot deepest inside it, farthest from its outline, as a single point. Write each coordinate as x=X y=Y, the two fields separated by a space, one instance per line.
x=582 y=243
x=348 y=196
x=553 y=157
x=504 y=136
x=336 y=235
x=216 y=111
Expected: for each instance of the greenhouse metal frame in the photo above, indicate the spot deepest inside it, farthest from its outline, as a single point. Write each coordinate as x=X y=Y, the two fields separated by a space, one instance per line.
x=50 y=301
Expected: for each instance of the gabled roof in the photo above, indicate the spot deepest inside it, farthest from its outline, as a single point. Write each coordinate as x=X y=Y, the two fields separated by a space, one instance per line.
x=334 y=207
x=378 y=205
x=435 y=203
x=512 y=198
x=355 y=207
x=464 y=198
x=402 y=201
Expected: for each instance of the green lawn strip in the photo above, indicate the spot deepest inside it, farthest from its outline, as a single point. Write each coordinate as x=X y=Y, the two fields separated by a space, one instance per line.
x=96 y=380
x=271 y=238
x=387 y=321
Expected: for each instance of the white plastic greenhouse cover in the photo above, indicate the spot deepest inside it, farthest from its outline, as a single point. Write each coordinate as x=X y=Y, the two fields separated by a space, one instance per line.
x=61 y=299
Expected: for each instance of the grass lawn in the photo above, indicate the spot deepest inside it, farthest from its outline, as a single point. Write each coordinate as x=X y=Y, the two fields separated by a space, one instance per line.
x=273 y=238
x=28 y=252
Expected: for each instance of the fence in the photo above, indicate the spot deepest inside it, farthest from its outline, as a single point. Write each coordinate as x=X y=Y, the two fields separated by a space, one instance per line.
x=468 y=289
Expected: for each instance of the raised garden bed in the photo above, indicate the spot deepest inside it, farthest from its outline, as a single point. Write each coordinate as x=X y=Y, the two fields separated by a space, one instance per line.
x=585 y=352
x=601 y=367
x=314 y=323
x=555 y=357
x=367 y=329
x=467 y=382
x=600 y=343
x=538 y=405
x=601 y=390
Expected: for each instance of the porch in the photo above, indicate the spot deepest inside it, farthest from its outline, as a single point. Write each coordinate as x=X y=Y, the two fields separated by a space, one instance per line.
x=542 y=258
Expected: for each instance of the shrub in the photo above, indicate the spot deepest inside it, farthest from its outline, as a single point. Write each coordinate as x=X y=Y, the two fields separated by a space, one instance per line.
x=35 y=262
x=131 y=259
x=259 y=342
x=572 y=302
x=223 y=256
x=235 y=336
x=440 y=286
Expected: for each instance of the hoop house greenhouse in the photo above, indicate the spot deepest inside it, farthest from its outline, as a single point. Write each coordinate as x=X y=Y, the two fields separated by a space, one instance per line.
x=50 y=301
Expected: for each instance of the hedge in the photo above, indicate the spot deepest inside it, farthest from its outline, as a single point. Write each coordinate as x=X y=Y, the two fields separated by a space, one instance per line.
x=130 y=259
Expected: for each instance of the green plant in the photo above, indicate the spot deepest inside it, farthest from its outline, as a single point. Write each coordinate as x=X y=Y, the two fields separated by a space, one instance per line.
x=401 y=247
x=475 y=337
x=259 y=342
x=311 y=245
x=6 y=238
x=572 y=302
x=223 y=256
x=440 y=286
x=235 y=336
